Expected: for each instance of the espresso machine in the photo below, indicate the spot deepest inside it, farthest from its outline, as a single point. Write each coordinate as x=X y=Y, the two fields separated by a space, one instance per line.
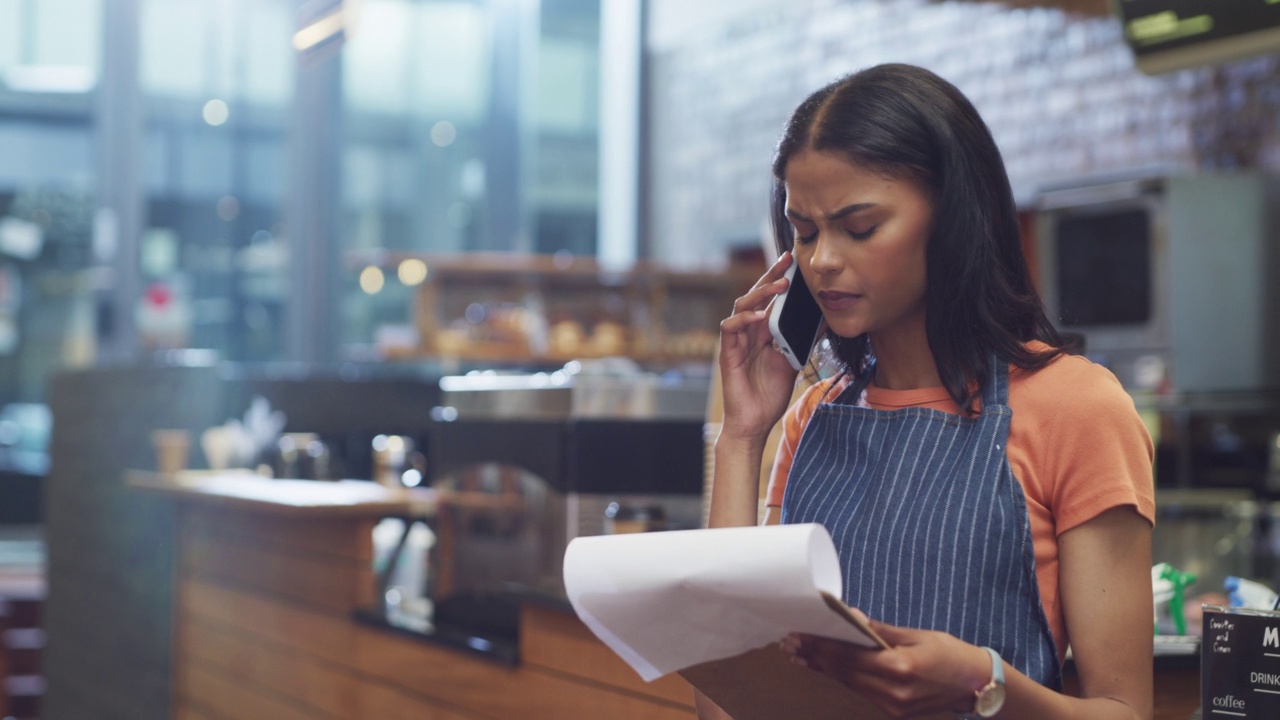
x=526 y=462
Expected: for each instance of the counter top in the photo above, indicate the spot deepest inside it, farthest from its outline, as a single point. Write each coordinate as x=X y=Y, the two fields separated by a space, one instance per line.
x=312 y=498
x=363 y=499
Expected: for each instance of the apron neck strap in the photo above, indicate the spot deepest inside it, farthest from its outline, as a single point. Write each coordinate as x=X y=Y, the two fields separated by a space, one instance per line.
x=996 y=392
x=851 y=394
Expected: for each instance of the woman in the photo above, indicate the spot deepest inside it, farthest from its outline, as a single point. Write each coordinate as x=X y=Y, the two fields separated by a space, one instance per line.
x=990 y=495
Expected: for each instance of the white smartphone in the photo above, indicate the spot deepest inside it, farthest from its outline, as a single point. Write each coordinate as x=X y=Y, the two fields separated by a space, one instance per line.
x=795 y=320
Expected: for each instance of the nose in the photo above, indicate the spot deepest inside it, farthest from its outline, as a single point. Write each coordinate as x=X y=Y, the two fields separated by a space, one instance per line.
x=825 y=260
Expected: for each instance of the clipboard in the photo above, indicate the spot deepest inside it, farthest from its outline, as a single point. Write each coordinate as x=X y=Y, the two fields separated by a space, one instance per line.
x=711 y=606
x=763 y=684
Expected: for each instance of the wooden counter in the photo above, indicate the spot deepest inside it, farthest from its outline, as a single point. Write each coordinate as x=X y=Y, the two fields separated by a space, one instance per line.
x=271 y=573
x=269 y=579
x=299 y=498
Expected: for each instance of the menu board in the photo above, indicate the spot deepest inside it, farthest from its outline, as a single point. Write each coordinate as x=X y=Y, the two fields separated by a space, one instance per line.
x=1214 y=29
x=1240 y=664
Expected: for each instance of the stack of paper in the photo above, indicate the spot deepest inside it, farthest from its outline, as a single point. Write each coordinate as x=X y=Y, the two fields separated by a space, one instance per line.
x=667 y=601
x=712 y=604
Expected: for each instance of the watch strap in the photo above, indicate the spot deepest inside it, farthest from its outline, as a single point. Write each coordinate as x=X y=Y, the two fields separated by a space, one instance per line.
x=997 y=679
x=997 y=666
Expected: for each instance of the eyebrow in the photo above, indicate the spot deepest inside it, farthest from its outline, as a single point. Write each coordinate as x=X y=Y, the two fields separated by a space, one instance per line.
x=837 y=215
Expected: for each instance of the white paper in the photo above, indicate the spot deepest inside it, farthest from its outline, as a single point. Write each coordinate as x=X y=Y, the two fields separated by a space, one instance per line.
x=665 y=601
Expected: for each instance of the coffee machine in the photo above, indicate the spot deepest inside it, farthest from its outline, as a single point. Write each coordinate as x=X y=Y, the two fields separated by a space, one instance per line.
x=526 y=462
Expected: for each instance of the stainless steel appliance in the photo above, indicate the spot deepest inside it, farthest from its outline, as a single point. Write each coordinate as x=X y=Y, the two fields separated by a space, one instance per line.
x=1174 y=281
x=548 y=453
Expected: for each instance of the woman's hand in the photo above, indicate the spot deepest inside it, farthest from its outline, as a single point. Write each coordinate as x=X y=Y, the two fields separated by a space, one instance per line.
x=924 y=672
x=757 y=379
x=757 y=383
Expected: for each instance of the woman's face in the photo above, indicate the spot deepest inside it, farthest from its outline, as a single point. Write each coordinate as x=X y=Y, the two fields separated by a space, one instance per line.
x=860 y=242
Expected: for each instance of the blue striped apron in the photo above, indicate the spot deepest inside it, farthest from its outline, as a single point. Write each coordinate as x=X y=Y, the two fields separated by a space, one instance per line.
x=929 y=522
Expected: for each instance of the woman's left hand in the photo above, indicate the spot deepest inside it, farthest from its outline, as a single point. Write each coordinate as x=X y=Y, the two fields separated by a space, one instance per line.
x=923 y=672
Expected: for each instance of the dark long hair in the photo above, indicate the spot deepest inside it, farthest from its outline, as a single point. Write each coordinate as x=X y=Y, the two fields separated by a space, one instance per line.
x=906 y=123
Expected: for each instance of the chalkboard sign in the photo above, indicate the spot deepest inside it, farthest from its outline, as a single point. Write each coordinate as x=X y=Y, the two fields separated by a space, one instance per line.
x=1240 y=664
x=1172 y=34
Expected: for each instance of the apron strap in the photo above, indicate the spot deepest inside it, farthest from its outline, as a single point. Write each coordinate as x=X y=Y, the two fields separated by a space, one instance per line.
x=996 y=392
x=850 y=395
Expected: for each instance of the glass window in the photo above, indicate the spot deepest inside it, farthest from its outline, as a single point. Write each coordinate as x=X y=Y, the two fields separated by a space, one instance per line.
x=564 y=189
x=451 y=35
x=217 y=80
x=48 y=63
x=50 y=46
x=465 y=125
x=229 y=50
x=174 y=47
x=65 y=32
x=11 y=35
x=265 y=26
x=416 y=87
x=470 y=127
x=377 y=58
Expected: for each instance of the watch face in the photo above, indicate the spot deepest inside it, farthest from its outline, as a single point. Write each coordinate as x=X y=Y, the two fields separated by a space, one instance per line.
x=990 y=700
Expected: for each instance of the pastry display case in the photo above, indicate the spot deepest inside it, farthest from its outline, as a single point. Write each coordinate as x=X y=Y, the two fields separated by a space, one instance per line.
x=511 y=308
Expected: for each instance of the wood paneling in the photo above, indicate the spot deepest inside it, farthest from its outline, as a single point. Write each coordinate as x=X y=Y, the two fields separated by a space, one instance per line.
x=387 y=703
x=227 y=698
x=342 y=538
x=558 y=641
x=318 y=686
x=265 y=630
x=451 y=682
x=526 y=693
x=321 y=635
x=215 y=623
x=322 y=582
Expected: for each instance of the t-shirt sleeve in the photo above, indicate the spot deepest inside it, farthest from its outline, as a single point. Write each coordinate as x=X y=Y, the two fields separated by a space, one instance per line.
x=794 y=422
x=1100 y=454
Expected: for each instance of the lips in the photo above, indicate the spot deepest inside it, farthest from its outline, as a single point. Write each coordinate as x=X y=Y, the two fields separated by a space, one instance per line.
x=835 y=300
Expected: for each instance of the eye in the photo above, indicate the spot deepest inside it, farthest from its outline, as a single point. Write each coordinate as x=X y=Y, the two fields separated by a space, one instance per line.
x=801 y=238
x=861 y=234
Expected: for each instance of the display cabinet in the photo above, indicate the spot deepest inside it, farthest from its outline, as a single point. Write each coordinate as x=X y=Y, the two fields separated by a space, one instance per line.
x=511 y=308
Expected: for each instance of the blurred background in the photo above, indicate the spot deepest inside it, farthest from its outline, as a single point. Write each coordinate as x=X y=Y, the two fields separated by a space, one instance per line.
x=333 y=204
x=247 y=177
x=194 y=174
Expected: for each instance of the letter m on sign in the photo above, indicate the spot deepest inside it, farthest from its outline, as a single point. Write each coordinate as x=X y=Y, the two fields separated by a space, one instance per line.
x=1271 y=637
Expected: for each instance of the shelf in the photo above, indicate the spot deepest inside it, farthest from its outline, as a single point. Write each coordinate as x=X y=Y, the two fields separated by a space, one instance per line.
x=505 y=308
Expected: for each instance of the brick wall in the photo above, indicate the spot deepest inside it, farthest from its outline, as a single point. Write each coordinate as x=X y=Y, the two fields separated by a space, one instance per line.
x=1058 y=88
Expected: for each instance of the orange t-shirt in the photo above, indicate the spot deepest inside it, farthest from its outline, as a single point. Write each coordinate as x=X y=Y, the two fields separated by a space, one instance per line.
x=1076 y=444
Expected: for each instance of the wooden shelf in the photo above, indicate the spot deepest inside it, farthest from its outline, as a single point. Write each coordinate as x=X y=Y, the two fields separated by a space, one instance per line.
x=491 y=307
